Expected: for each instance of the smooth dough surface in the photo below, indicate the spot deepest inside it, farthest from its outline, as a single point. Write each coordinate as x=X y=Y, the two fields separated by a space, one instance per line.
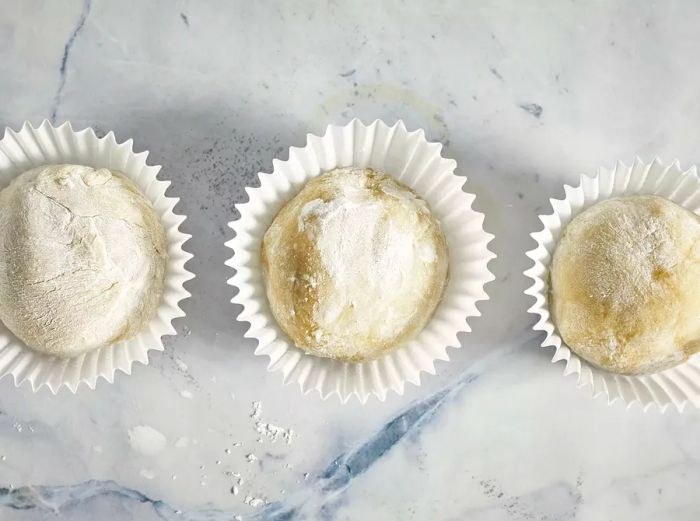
x=354 y=265
x=625 y=283
x=82 y=258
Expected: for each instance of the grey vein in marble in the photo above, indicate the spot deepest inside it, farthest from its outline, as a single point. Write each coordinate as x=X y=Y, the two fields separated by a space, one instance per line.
x=66 y=54
x=528 y=96
x=325 y=488
x=532 y=108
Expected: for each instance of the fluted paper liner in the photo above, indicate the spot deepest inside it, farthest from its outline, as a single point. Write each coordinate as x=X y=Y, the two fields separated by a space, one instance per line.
x=410 y=158
x=676 y=386
x=32 y=147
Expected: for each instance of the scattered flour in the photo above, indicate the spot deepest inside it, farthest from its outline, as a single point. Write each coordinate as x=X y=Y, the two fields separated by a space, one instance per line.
x=182 y=442
x=257 y=408
x=254 y=502
x=146 y=440
x=270 y=431
x=147 y=474
x=182 y=365
x=274 y=432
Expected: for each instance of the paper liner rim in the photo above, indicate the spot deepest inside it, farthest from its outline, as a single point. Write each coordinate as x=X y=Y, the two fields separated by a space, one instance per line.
x=251 y=313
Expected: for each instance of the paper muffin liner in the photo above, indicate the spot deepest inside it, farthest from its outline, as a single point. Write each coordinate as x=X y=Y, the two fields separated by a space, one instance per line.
x=676 y=386
x=417 y=163
x=32 y=147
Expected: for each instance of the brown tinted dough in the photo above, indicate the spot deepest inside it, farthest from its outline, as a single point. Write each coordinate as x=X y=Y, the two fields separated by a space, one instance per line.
x=354 y=265
x=625 y=284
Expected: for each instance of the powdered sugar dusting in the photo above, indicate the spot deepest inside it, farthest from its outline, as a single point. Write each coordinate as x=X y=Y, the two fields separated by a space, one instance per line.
x=366 y=254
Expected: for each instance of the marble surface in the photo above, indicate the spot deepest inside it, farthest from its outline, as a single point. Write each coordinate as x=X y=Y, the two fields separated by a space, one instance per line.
x=524 y=95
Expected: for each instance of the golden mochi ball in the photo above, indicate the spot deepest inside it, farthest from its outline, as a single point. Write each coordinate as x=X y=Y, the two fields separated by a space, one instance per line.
x=354 y=265
x=624 y=284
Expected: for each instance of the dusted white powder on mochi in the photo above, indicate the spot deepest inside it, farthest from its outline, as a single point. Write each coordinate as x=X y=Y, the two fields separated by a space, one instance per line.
x=366 y=254
x=82 y=258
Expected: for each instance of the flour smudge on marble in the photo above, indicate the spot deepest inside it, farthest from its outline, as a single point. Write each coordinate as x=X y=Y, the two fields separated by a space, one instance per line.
x=146 y=440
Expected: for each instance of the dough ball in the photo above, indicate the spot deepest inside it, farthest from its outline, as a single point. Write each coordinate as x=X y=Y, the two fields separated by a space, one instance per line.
x=625 y=284
x=82 y=259
x=354 y=265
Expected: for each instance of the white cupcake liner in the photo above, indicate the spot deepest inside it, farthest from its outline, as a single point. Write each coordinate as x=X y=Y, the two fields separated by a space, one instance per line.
x=32 y=147
x=410 y=158
x=675 y=386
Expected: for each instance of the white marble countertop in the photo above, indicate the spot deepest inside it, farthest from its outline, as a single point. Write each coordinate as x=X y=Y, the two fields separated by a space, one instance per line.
x=525 y=96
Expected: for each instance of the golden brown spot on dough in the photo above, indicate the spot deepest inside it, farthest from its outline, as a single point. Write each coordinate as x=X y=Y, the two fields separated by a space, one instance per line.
x=660 y=274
